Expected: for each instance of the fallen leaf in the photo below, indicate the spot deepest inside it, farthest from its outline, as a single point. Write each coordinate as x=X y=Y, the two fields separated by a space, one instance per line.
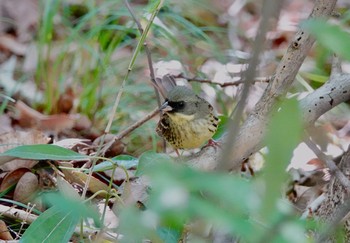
x=28 y=117
x=75 y=176
x=135 y=191
x=95 y=185
x=26 y=188
x=82 y=122
x=12 y=178
x=10 y=43
x=5 y=122
x=66 y=101
x=82 y=146
x=14 y=139
x=4 y=232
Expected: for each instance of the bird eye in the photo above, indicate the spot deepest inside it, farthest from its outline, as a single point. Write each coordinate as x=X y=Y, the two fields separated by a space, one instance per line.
x=181 y=104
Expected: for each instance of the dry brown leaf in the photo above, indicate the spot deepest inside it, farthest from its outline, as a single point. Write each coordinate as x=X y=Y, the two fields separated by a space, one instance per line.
x=12 y=178
x=26 y=188
x=81 y=146
x=82 y=122
x=57 y=122
x=5 y=122
x=80 y=178
x=66 y=101
x=95 y=184
x=4 y=232
x=8 y=42
x=28 y=117
x=135 y=191
x=13 y=139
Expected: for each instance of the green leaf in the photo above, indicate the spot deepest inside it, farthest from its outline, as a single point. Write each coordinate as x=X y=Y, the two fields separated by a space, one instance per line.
x=315 y=77
x=53 y=225
x=214 y=213
x=222 y=127
x=123 y=160
x=71 y=205
x=152 y=6
x=331 y=36
x=284 y=134
x=43 y=151
x=131 y=219
x=57 y=224
x=169 y=235
x=180 y=194
x=148 y=159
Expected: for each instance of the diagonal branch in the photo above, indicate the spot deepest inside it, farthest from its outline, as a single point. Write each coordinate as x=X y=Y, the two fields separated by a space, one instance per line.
x=249 y=139
x=330 y=164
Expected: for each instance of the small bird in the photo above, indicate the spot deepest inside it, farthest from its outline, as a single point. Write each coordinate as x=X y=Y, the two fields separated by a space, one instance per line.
x=188 y=120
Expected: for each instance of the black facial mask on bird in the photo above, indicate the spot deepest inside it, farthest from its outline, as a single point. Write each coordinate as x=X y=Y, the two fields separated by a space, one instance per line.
x=172 y=106
x=165 y=107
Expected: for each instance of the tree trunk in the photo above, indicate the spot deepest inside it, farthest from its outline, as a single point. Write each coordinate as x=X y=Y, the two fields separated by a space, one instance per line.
x=335 y=208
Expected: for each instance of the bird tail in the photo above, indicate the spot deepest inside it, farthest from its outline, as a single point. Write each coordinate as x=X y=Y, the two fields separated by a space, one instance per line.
x=165 y=84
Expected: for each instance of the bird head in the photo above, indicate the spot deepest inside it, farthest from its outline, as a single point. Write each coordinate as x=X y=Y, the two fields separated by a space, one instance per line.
x=182 y=100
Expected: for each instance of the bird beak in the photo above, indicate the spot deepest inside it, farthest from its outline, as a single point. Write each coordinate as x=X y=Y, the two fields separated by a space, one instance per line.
x=165 y=107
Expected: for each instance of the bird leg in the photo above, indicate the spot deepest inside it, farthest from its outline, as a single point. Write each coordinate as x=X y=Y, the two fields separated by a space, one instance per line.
x=212 y=143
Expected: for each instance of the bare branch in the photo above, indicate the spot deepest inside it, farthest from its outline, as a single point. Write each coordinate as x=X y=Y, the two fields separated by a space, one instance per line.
x=330 y=164
x=335 y=91
x=137 y=124
x=226 y=84
x=270 y=9
x=250 y=136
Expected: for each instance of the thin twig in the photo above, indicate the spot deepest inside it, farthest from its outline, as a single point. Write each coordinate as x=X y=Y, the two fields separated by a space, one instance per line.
x=313 y=206
x=233 y=83
x=330 y=164
x=148 y=52
x=251 y=134
x=132 y=62
x=270 y=9
x=149 y=59
x=121 y=89
x=137 y=124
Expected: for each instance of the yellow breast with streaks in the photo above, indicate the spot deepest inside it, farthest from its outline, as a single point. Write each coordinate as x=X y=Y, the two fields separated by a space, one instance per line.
x=186 y=132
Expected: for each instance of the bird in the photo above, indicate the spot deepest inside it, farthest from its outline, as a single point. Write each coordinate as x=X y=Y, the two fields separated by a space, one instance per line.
x=187 y=120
